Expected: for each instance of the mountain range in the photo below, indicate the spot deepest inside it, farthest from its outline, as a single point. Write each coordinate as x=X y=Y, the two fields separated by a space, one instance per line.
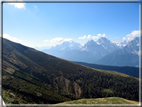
x=90 y=52
x=99 y=52
x=67 y=45
x=31 y=76
x=127 y=56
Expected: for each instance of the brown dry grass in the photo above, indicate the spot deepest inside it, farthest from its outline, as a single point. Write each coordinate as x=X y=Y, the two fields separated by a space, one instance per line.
x=133 y=102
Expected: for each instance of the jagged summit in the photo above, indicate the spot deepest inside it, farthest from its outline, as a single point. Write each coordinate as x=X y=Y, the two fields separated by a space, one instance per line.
x=127 y=56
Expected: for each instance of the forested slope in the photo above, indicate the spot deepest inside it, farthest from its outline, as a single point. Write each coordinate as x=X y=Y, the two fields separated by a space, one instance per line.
x=57 y=80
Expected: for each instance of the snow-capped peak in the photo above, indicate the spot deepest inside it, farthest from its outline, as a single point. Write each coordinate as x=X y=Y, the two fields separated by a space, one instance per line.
x=67 y=45
x=133 y=46
x=107 y=44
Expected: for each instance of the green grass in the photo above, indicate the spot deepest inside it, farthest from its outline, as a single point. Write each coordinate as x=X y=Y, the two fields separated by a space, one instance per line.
x=7 y=98
x=108 y=100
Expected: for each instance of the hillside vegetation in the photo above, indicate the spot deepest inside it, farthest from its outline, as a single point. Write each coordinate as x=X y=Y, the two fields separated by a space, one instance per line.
x=108 y=100
x=28 y=89
x=133 y=71
x=37 y=77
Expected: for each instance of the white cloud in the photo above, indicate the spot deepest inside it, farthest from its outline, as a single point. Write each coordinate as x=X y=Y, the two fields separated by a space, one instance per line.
x=132 y=35
x=11 y=38
x=124 y=38
x=93 y=37
x=55 y=41
x=84 y=37
x=46 y=40
x=59 y=40
x=67 y=39
x=89 y=36
x=99 y=35
x=18 y=5
x=103 y=35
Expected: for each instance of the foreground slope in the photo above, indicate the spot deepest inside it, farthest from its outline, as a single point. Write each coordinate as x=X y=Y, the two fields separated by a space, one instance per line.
x=21 y=87
x=107 y=100
x=31 y=68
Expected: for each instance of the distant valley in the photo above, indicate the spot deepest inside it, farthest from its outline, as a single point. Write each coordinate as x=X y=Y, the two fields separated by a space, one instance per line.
x=133 y=71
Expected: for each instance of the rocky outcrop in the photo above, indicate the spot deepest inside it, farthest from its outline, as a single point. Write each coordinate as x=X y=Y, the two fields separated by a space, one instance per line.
x=68 y=86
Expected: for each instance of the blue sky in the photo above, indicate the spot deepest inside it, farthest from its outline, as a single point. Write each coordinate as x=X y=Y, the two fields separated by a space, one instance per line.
x=48 y=24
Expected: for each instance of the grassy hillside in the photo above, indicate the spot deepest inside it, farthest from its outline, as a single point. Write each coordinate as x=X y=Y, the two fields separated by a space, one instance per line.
x=43 y=78
x=109 y=100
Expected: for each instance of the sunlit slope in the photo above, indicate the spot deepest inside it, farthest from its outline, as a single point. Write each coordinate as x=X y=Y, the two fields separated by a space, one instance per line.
x=69 y=80
x=109 y=100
